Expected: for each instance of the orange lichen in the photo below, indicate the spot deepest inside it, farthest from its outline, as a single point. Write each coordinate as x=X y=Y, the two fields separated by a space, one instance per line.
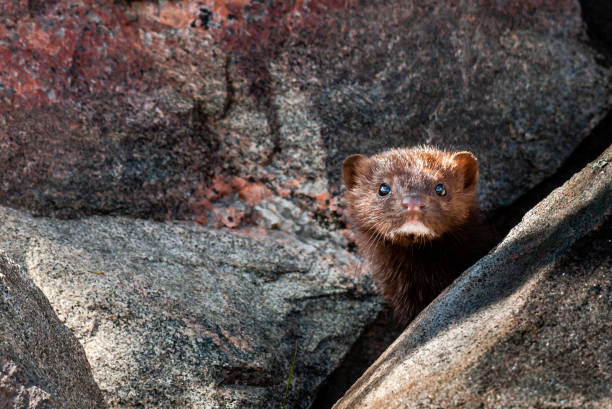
x=294 y=183
x=201 y=219
x=252 y=193
x=221 y=187
x=322 y=200
x=228 y=217
x=177 y=15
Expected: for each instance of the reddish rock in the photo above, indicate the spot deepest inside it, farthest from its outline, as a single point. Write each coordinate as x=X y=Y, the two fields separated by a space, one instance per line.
x=252 y=193
x=98 y=114
x=135 y=107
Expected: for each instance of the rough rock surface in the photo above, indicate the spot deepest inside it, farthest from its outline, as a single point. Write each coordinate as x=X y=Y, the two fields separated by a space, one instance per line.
x=527 y=326
x=42 y=365
x=237 y=114
x=145 y=107
x=178 y=315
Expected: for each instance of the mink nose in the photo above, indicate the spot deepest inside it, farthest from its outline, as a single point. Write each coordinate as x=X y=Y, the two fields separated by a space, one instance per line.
x=413 y=203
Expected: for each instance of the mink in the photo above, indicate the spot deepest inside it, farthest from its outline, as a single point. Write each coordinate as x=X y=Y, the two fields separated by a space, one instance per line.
x=416 y=220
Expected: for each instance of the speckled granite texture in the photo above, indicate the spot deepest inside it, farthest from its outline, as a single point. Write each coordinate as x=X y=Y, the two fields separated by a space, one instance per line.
x=178 y=315
x=143 y=108
x=42 y=365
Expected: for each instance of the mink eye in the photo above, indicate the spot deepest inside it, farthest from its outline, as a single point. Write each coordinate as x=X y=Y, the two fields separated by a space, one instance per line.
x=384 y=190
x=440 y=190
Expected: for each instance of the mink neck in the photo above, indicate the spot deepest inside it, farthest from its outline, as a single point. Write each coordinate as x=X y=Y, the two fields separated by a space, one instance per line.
x=449 y=243
x=448 y=248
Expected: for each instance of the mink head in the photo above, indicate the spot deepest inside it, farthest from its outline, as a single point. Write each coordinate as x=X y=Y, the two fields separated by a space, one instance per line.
x=411 y=195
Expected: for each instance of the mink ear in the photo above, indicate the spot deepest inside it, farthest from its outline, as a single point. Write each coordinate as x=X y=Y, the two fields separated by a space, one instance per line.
x=468 y=166
x=353 y=166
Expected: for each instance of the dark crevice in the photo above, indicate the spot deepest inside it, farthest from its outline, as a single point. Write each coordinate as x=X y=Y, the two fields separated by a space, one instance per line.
x=597 y=14
x=229 y=90
x=262 y=90
x=274 y=124
x=376 y=337
x=588 y=150
x=245 y=376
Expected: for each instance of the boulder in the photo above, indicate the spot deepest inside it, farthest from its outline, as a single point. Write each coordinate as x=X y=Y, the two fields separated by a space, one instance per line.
x=237 y=115
x=178 y=315
x=526 y=326
x=143 y=108
x=42 y=365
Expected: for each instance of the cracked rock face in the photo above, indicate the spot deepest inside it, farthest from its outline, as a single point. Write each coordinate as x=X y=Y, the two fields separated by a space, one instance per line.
x=526 y=326
x=176 y=315
x=137 y=108
x=42 y=365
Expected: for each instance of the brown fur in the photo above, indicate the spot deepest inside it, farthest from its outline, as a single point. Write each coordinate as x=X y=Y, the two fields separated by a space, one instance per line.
x=412 y=268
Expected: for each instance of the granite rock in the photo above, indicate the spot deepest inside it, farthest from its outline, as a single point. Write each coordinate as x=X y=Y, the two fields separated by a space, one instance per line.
x=42 y=365
x=527 y=326
x=141 y=107
x=178 y=315
x=237 y=114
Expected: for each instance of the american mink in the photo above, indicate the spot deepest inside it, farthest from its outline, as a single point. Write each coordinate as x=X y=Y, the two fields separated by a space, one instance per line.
x=416 y=219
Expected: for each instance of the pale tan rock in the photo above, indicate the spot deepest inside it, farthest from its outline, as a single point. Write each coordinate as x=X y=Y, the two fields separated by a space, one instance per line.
x=178 y=315
x=42 y=365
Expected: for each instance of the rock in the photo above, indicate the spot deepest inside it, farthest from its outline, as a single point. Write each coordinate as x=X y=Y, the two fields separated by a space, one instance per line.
x=598 y=16
x=102 y=111
x=42 y=365
x=137 y=108
x=177 y=315
x=489 y=78
x=237 y=114
x=524 y=327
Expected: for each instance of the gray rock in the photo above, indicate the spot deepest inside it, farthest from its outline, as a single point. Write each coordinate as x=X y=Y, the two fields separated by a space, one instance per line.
x=236 y=116
x=527 y=326
x=42 y=365
x=177 y=315
x=512 y=82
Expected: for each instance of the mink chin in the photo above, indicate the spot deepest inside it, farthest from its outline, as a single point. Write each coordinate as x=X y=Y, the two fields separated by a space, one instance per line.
x=416 y=220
